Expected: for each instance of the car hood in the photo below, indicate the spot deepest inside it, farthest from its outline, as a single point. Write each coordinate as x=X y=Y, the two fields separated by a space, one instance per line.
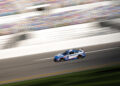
x=59 y=55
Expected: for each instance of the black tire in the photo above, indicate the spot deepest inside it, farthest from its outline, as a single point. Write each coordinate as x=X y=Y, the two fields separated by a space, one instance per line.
x=79 y=56
x=61 y=60
x=55 y=60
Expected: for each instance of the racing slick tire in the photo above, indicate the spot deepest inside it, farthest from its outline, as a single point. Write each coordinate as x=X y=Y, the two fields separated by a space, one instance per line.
x=61 y=60
x=79 y=56
x=55 y=60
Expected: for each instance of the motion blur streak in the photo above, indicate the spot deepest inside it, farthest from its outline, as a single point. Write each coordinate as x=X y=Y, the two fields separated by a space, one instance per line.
x=85 y=52
x=53 y=74
x=30 y=37
x=25 y=66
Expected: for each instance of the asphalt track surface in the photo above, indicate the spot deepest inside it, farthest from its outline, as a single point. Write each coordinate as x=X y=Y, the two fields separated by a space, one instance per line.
x=42 y=65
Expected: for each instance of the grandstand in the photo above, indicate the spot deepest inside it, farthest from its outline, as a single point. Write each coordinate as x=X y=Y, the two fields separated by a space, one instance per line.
x=8 y=7
x=60 y=16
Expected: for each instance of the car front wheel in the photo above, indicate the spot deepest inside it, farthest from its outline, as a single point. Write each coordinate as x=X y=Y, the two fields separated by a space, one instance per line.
x=55 y=60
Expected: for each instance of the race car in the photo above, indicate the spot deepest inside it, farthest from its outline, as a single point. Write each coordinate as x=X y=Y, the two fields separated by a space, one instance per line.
x=70 y=55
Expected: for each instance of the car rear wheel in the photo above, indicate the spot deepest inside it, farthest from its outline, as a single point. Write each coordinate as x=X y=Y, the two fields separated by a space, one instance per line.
x=79 y=56
x=61 y=60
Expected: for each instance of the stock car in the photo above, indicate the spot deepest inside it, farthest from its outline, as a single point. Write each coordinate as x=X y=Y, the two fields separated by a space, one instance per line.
x=70 y=55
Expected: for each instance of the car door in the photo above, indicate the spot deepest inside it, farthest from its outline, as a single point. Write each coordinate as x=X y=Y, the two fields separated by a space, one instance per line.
x=72 y=55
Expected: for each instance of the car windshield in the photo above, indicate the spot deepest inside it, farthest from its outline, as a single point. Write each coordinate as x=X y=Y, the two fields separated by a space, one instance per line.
x=65 y=53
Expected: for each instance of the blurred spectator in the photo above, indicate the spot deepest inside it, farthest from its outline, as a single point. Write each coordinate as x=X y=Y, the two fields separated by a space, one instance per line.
x=62 y=19
x=8 y=7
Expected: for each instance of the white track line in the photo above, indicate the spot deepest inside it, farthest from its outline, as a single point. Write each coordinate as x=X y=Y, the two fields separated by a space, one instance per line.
x=43 y=59
x=102 y=50
x=86 y=53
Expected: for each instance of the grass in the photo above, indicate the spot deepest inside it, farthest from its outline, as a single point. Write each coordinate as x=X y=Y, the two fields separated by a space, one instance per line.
x=107 y=76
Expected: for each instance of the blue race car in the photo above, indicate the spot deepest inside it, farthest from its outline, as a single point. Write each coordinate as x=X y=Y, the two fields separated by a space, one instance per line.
x=70 y=54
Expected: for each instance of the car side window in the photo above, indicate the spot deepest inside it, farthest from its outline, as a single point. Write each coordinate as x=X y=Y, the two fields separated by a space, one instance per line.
x=76 y=51
x=71 y=52
x=65 y=53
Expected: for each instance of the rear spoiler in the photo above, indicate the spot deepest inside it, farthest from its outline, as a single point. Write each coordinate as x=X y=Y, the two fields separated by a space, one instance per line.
x=78 y=48
x=81 y=49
